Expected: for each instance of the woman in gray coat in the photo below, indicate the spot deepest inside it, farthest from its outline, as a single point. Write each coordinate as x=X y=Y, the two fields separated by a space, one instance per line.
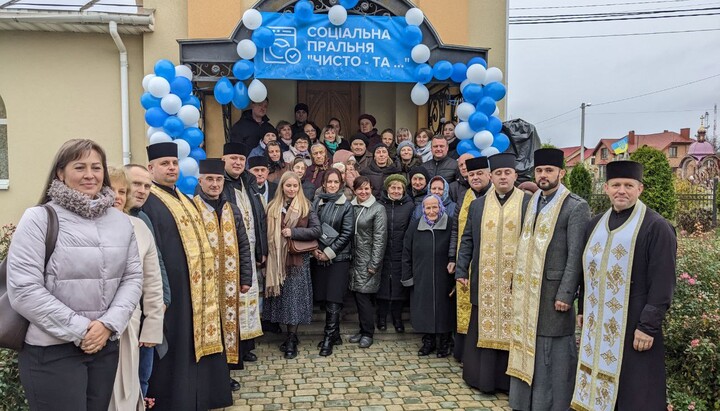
x=368 y=251
x=82 y=300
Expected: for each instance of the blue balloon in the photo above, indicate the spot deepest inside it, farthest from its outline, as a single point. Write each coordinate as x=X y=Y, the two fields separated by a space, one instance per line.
x=423 y=73
x=243 y=69
x=478 y=121
x=263 y=37
x=303 y=12
x=442 y=70
x=148 y=101
x=459 y=73
x=173 y=126
x=465 y=145
x=348 y=4
x=193 y=135
x=187 y=184
x=477 y=60
x=223 y=91
x=181 y=87
x=495 y=90
x=198 y=154
x=155 y=117
x=472 y=93
x=501 y=142
x=192 y=101
x=413 y=36
x=165 y=69
x=494 y=125
x=486 y=105
x=474 y=153
x=240 y=96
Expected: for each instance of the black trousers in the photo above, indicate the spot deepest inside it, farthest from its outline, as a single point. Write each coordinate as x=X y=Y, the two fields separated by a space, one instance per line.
x=393 y=307
x=366 y=312
x=62 y=377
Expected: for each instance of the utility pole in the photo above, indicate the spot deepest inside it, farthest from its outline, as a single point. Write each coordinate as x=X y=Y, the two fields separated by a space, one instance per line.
x=582 y=132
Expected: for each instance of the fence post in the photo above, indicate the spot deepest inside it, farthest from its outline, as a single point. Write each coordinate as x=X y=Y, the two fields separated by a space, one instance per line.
x=714 y=200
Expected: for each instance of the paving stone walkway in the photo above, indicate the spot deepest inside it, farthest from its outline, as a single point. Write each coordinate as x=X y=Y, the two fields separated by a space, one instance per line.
x=387 y=376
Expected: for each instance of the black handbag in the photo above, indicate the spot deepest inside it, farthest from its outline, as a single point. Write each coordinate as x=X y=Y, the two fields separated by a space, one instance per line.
x=328 y=235
x=13 y=326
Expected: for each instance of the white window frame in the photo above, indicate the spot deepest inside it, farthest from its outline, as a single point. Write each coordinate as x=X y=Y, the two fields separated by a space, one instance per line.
x=4 y=183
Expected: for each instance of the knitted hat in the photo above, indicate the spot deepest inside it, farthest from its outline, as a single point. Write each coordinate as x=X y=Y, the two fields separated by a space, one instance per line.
x=419 y=170
x=300 y=136
x=393 y=178
x=268 y=128
x=377 y=146
x=406 y=143
x=359 y=136
x=302 y=106
x=367 y=117
x=342 y=156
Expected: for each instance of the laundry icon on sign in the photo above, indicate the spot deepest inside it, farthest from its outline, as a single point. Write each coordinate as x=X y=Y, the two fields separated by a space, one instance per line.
x=284 y=50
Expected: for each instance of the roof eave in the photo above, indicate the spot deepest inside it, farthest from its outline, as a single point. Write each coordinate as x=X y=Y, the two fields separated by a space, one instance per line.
x=76 y=22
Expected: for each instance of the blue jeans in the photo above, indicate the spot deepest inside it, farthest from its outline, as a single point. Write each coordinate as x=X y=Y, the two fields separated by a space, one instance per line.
x=145 y=369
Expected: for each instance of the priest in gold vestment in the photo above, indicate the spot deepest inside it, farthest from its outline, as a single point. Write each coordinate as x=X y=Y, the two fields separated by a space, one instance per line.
x=486 y=258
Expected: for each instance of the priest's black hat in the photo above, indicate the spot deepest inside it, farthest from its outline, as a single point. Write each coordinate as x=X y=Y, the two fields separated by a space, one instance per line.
x=501 y=160
x=624 y=169
x=236 y=148
x=212 y=166
x=159 y=150
x=472 y=164
x=549 y=157
x=258 y=161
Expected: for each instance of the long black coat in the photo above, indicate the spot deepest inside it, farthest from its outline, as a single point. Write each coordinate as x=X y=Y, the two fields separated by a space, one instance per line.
x=398 y=218
x=426 y=254
x=642 y=374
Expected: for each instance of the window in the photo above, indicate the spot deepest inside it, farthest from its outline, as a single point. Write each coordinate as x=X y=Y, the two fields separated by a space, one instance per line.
x=592 y=161
x=601 y=172
x=604 y=154
x=4 y=177
x=672 y=151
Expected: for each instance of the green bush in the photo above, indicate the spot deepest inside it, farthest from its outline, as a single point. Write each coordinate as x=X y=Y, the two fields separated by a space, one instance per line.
x=692 y=326
x=12 y=396
x=659 y=192
x=580 y=181
x=694 y=220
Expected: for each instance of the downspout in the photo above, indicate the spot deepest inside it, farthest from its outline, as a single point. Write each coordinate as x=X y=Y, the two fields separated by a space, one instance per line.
x=124 y=106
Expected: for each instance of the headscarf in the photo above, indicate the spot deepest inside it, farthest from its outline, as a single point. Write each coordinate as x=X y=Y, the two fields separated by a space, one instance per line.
x=440 y=213
x=446 y=188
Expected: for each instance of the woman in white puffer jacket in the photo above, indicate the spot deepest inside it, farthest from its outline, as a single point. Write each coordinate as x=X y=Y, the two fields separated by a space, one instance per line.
x=80 y=303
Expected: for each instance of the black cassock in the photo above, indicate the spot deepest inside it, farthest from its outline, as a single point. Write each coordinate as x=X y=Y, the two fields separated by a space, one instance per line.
x=426 y=254
x=642 y=374
x=178 y=382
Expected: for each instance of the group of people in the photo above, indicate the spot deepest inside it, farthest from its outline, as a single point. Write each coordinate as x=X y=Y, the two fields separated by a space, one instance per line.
x=152 y=295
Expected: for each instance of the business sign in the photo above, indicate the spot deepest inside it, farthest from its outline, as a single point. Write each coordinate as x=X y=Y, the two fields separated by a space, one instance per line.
x=364 y=48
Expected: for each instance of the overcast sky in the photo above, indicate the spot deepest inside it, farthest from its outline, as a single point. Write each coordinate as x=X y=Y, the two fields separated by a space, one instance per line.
x=549 y=77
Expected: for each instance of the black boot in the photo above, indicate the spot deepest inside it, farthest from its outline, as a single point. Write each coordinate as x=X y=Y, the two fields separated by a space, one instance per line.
x=291 y=346
x=382 y=309
x=396 y=310
x=428 y=346
x=332 y=329
x=444 y=349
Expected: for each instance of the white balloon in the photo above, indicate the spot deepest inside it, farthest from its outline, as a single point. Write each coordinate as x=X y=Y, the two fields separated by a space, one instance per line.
x=483 y=139
x=152 y=130
x=189 y=115
x=188 y=166
x=490 y=151
x=476 y=73
x=496 y=113
x=158 y=87
x=196 y=125
x=493 y=74
x=257 y=91
x=183 y=149
x=464 y=110
x=159 y=137
x=171 y=104
x=337 y=15
x=463 y=131
x=420 y=53
x=420 y=94
x=246 y=49
x=146 y=81
x=252 y=19
x=414 y=16
x=183 y=71
x=463 y=84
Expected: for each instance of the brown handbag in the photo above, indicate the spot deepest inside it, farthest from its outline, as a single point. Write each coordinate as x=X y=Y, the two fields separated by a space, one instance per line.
x=301 y=246
x=13 y=326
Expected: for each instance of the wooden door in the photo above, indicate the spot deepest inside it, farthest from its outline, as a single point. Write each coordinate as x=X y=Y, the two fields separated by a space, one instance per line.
x=328 y=99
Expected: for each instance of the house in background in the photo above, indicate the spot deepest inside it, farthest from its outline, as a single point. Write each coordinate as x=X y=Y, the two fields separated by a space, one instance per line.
x=572 y=157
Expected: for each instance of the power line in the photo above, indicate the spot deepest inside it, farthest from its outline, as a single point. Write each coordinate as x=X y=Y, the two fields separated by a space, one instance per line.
x=648 y=112
x=609 y=14
x=597 y=5
x=614 y=19
x=610 y=35
x=561 y=122
x=559 y=115
x=657 y=91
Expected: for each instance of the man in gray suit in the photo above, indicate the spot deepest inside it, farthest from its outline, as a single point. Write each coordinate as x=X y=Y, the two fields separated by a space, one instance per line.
x=543 y=355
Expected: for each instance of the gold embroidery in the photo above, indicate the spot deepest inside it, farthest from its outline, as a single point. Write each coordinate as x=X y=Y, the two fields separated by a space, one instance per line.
x=619 y=252
x=612 y=331
x=615 y=278
x=614 y=305
x=596 y=249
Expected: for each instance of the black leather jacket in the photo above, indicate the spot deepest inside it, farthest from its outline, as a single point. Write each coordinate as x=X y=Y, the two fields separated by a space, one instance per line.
x=339 y=215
